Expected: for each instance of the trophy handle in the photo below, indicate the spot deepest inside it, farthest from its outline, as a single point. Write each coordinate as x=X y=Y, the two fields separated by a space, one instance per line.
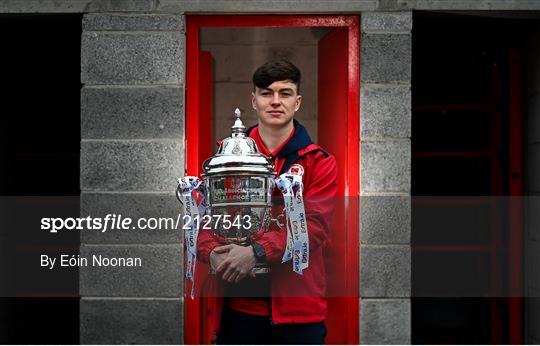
x=202 y=188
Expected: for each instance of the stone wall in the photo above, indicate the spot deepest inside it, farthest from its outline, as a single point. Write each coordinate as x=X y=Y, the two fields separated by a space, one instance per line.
x=132 y=148
x=385 y=182
x=260 y=6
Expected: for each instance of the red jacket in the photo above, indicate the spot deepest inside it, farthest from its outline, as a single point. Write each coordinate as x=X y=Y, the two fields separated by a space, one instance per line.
x=295 y=298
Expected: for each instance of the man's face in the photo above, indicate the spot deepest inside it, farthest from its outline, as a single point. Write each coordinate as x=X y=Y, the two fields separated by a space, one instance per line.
x=277 y=103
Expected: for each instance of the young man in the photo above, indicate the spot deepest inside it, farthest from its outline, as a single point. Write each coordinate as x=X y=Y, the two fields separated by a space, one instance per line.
x=283 y=307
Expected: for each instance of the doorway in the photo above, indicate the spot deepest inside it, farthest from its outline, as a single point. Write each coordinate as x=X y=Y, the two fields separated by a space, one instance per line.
x=222 y=53
x=467 y=163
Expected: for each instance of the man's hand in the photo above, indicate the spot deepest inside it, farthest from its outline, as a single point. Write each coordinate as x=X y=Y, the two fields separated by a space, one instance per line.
x=217 y=257
x=238 y=262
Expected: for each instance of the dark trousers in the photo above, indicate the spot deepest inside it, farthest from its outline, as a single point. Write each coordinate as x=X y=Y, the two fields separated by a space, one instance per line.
x=245 y=329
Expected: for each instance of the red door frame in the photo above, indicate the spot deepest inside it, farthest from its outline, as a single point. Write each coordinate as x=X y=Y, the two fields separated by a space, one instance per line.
x=193 y=126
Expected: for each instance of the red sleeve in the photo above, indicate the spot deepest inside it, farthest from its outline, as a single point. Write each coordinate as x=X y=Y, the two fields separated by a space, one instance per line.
x=320 y=200
x=274 y=244
x=206 y=242
x=320 y=190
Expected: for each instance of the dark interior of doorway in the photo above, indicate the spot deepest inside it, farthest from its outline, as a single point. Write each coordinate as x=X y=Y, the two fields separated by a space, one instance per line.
x=39 y=156
x=460 y=89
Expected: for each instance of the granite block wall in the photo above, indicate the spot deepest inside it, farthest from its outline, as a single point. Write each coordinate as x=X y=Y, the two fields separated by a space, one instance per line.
x=385 y=182
x=132 y=149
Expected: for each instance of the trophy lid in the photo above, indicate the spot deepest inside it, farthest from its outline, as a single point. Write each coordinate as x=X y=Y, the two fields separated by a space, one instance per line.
x=238 y=154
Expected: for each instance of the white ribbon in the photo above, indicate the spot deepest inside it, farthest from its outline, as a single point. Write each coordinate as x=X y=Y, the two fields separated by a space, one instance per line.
x=285 y=186
x=297 y=232
x=184 y=192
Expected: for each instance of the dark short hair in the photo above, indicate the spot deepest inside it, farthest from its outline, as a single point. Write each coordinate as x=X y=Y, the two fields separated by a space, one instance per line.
x=276 y=70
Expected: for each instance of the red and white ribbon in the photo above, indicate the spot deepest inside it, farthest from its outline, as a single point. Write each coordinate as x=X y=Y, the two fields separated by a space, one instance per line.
x=297 y=231
x=185 y=193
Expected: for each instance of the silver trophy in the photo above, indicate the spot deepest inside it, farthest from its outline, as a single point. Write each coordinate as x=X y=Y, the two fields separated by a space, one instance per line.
x=237 y=194
x=238 y=185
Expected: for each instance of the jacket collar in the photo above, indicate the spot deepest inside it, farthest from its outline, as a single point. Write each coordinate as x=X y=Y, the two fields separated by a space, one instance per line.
x=299 y=140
